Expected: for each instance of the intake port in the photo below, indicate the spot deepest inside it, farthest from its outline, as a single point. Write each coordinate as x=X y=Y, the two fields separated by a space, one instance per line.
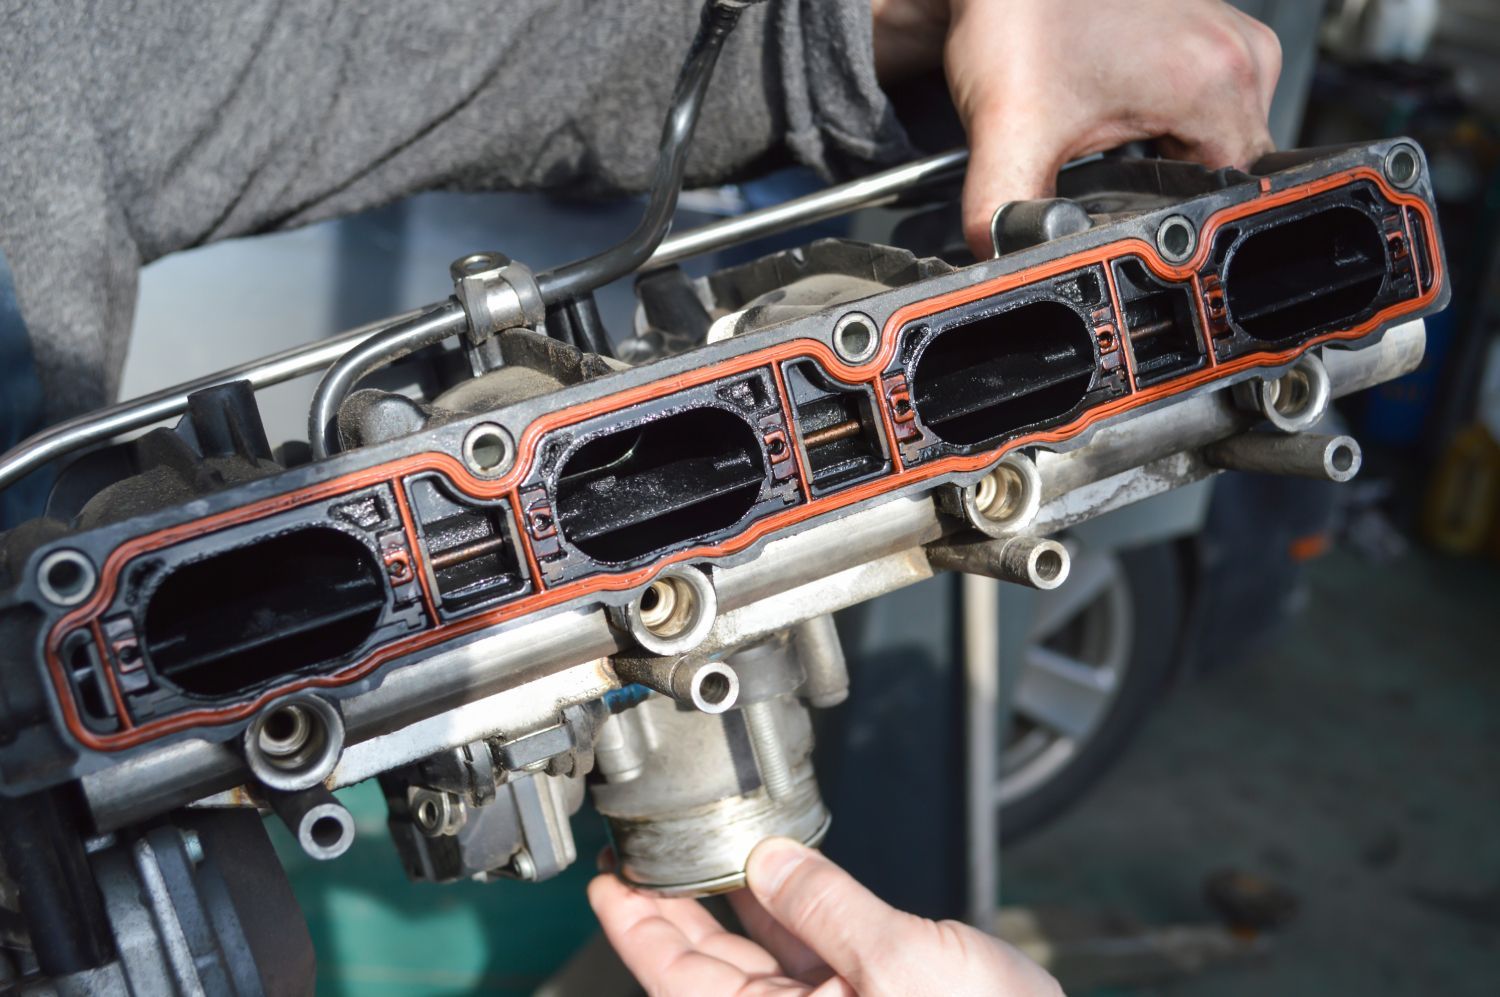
x=643 y=490
x=236 y=620
x=469 y=546
x=997 y=374
x=1305 y=276
x=1159 y=323
x=837 y=427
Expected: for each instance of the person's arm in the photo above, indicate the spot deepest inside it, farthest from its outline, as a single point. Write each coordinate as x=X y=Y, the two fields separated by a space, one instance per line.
x=1040 y=82
x=131 y=131
x=812 y=929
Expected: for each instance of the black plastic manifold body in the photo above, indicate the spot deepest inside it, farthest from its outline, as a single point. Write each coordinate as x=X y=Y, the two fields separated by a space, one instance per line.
x=207 y=579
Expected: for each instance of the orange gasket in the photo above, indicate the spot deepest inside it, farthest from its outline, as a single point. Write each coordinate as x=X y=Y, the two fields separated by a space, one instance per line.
x=868 y=373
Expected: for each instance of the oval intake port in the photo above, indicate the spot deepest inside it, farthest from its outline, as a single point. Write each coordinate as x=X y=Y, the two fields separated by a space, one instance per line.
x=1305 y=276
x=997 y=374
x=646 y=489
x=234 y=621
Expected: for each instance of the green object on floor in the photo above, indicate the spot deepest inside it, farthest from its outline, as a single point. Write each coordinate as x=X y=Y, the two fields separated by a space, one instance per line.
x=378 y=933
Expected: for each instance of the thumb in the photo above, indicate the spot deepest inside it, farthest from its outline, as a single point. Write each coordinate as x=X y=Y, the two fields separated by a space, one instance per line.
x=822 y=905
x=1001 y=170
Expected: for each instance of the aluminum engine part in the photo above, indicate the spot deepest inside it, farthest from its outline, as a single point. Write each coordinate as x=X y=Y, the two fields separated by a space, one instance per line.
x=470 y=582
x=411 y=547
x=199 y=906
x=523 y=832
x=688 y=794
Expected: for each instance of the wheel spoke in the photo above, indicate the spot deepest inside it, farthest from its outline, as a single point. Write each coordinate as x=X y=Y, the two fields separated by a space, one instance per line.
x=1061 y=694
x=1089 y=576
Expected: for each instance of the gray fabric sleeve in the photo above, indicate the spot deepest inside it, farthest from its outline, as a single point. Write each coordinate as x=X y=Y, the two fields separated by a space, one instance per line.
x=128 y=131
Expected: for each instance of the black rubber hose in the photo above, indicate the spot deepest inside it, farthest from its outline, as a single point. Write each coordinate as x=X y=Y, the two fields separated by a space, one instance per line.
x=574 y=279
x=578 y=324
x=588 y=326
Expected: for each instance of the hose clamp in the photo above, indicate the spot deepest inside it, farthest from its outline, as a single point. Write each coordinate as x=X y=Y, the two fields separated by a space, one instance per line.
x=496 y=293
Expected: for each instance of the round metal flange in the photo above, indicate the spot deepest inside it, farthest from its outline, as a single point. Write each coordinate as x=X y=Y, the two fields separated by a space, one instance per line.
x=856 y=338
x=65 y=577
x=1176 y=238
x=719 y=884
x=672 y=614
x=1038 y=562
x=436 y=813
x=326 y=831
x=488 y=450
x=1006 y=500
x=1403 y=165
x=475 y=263
x=714 y=688
x=1342 y=458
x=1293 y=402
x=294 y=743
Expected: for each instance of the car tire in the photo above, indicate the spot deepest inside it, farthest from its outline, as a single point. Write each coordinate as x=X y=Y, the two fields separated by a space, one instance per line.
x=1116 y=624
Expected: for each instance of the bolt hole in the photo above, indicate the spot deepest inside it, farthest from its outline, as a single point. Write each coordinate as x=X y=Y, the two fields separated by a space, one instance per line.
x=668 y=606
x=1000 y=494
x=1293 y=391
x=290 y=736
x=65 y=577
x=1343 y=458
x=294 y=743
x=855 y=338
x=427 y=813
x=282 y=724
x=1402 y=167
x=656 y=601
x=326 y=831
x=1176 y=238
x=714 y=688
x=1049 y=565
x=489 y=450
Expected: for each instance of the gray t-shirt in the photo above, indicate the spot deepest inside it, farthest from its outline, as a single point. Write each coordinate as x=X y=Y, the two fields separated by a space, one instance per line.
x=130 y=130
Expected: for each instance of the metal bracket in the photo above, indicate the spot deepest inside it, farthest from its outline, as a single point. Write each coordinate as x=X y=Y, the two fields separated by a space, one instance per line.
x=496 y=293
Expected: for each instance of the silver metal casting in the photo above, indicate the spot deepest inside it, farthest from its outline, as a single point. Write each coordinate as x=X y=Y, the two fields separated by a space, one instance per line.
x=1306 y=455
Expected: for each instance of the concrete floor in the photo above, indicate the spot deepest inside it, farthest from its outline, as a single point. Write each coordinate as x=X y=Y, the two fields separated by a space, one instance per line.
x=1356 y=763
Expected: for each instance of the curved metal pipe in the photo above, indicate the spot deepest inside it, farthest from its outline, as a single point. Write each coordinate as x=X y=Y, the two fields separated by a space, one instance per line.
x=567 y=282
x=104 y=424
x=427 y=329
x=871 y=191
x=572 y=279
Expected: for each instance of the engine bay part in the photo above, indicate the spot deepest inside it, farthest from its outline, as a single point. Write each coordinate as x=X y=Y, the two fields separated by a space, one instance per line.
x=565 y=572
x=196 y=617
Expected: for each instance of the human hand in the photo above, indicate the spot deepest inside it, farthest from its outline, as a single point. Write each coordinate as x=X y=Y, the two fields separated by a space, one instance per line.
x=1040 y=82
x=813 y=930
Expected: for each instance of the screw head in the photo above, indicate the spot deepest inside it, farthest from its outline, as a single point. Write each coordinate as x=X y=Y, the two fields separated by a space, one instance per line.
x=523 y=866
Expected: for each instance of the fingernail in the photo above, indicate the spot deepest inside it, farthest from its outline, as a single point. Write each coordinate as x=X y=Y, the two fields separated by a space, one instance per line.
x=771 y=862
